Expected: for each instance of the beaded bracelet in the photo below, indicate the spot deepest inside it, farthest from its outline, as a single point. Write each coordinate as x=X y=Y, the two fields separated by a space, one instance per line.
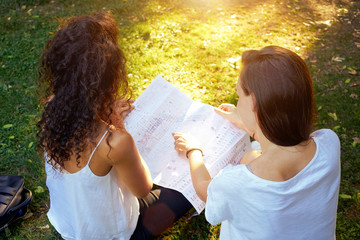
x=192 y=149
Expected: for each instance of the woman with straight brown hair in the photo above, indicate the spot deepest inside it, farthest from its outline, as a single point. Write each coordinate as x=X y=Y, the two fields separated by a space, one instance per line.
x=290 y=189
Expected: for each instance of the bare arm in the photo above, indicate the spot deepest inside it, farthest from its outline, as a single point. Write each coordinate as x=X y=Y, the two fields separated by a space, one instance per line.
x=129 y=165
x=229 y=112
x=131 y=169
x=199 y=174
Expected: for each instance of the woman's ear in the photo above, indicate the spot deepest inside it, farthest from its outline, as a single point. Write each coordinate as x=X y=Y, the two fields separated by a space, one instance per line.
x=253 y=101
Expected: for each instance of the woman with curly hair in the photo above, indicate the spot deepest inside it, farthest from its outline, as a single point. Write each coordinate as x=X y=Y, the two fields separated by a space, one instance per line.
x=290 y=189
x=100 y=187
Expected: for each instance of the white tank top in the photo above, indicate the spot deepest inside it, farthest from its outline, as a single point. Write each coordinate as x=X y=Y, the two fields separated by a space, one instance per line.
x=86 y=206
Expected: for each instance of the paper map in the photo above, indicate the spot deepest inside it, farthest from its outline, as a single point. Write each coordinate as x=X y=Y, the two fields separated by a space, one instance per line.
x=161 y=110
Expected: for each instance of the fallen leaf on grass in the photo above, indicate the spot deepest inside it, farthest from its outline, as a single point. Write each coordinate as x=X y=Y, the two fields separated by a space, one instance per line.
x=336 y=128
x=333 y=116
x=356 y=141
x=134 y=18
x=326 y=22
x=344 y=196
x=28 y=214
x=233 y=60
x=353 y=72
x=337 y=59
x=354 y=96
x=43 y=227
x=39 y=189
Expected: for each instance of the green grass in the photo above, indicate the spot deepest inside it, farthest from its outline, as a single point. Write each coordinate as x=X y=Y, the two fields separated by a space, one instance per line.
x=190 y=43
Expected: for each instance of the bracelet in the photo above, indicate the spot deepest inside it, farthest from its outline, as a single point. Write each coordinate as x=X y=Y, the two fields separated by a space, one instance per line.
x=192 y=149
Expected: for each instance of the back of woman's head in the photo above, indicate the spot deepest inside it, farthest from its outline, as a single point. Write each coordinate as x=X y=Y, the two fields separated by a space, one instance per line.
x=282 y=86
x=84 y=69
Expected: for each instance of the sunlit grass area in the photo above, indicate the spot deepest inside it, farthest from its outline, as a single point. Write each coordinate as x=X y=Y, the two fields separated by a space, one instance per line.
x=196 y=45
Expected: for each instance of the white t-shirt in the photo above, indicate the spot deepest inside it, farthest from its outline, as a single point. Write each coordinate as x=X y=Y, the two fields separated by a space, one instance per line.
x=303 y=207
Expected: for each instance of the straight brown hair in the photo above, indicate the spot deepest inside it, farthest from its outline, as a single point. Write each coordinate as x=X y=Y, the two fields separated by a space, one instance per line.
x=282 y=86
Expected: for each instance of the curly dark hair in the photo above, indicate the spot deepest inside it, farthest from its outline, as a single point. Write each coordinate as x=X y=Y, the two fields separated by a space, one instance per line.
x=84 y=71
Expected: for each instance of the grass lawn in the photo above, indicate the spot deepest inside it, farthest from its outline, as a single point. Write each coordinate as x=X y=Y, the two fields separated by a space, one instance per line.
x=194 y=44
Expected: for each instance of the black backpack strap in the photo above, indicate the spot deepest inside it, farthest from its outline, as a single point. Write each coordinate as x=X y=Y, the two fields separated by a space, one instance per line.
x=28 y=196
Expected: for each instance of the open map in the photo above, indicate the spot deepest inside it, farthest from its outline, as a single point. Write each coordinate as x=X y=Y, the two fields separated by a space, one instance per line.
x=161 y=110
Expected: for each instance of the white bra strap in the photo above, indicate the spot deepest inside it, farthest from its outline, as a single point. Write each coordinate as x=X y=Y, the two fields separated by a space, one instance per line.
x=97 y=146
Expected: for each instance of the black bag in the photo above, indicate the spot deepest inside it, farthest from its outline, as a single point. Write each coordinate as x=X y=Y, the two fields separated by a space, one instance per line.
x=14 y=199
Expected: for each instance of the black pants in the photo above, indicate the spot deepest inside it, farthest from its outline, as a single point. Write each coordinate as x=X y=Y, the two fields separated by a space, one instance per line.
x=158 y=211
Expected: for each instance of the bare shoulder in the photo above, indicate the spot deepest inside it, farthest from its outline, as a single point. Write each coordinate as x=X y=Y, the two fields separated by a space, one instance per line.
x=121 y=143
x=119 y=137
x=283 y=163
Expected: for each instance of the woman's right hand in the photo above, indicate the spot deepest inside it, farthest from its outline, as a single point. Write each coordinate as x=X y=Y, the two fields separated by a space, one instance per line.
x=122 y=107
x=229 y=112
